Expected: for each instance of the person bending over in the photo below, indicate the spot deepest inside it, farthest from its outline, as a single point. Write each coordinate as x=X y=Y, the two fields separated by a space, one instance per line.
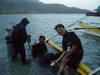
x=19 y=37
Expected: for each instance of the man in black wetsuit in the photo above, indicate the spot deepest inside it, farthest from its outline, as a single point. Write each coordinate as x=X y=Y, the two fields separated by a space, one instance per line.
x=39 y=51
x=19 y=37
x=72 y=57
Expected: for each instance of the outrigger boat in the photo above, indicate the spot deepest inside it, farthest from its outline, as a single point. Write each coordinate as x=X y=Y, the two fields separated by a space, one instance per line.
x=89 y=28
x=93 y=14
x=96 y=13
x=81 y=69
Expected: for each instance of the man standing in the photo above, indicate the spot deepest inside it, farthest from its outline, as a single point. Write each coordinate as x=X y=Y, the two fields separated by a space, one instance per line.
x=70 y=58
x=19 y=36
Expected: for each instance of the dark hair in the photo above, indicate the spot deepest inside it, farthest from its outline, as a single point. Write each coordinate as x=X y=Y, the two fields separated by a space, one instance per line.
x=58 y=25
x=24 y=21
x=41 y=37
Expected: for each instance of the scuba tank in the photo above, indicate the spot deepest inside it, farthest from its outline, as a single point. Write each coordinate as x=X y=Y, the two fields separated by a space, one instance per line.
x=9 y=42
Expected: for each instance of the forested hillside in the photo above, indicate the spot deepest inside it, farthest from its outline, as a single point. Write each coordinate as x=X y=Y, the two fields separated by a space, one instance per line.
x=35 y=6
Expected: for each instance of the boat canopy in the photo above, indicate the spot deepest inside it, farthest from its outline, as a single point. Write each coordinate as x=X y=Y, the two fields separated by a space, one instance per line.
x=98 y=9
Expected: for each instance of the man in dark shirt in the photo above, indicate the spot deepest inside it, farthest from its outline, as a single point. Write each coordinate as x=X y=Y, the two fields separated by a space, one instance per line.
x=39 y=51
x=71 y=58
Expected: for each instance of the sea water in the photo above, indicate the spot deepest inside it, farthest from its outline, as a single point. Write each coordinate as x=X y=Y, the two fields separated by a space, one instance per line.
x=44 y=24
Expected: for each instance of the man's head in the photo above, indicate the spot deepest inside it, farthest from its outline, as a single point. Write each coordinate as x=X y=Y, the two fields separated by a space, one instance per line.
x=41 y=39
x=60 y=29
x=24 y=21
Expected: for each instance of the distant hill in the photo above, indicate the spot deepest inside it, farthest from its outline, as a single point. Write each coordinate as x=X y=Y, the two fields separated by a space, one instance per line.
x=35 y=6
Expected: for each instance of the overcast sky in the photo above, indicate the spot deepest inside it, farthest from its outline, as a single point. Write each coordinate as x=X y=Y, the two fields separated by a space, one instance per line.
x=83 y=4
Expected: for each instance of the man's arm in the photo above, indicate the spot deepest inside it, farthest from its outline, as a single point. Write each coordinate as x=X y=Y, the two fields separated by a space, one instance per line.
x=61 y=56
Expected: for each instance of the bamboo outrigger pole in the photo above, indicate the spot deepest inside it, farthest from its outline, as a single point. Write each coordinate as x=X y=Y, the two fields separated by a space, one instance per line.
x=86 y=28
x=68 y=26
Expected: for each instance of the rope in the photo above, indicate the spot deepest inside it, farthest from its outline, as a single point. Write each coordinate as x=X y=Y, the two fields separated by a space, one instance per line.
x=29 y=40
x=95 y=71
x=78 y=21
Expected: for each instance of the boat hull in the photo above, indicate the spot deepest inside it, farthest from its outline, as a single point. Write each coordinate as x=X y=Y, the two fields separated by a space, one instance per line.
x=93 y=14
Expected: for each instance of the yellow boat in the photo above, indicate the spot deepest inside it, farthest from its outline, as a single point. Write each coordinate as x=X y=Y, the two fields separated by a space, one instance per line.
x=81 y=68
x=89 y=28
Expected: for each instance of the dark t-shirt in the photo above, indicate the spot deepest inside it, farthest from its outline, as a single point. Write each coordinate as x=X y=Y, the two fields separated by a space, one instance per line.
x=70 y=39
x=39 y=49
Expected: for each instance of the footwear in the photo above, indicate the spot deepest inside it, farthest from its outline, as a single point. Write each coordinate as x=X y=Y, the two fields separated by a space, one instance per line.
x=25 y=63
x=14 y=57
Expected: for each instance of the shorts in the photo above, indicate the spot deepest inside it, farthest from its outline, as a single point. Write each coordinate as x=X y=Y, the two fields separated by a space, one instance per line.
x=74 y=59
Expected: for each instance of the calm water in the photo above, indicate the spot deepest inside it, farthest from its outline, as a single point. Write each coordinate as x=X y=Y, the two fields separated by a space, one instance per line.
x=44 y=24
